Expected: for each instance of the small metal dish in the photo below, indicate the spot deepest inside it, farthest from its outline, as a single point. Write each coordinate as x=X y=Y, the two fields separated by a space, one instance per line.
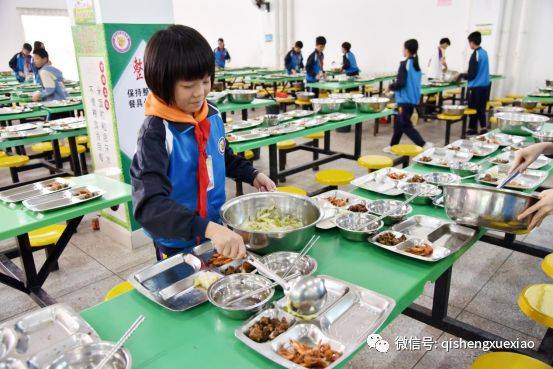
x=464 y=168
x=425 y=192
x=439 y=179
x=379 y=207
x=453 y=109
x=242 y=96
x=543 y=136
x=88 y=356
x=357 y=226
x=279 y=262
x=305 y=95
x=326 y=106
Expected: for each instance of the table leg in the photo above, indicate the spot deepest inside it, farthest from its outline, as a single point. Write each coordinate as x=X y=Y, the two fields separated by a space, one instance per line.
x=57 y=154
x=380 y=87
x=244 y=114
x=273 y=163
x=75 y=156
x=224 y=116
x=358 y=137
x=464 y=127
x=27 y=259
x=326 y=141
x=447 y=132
x=441 y=295
x=376 y=126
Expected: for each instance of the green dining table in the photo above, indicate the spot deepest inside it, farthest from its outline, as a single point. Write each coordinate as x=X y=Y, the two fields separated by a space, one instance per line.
x=36 y=113
x=346 y=85
x=227 y=106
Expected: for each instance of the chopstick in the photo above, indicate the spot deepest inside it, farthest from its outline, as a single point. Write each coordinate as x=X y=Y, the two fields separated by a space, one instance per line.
x=302 y=253
x=259 y=290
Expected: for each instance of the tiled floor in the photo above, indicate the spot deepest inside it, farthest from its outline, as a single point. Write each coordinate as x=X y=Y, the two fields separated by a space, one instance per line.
x=485 y=284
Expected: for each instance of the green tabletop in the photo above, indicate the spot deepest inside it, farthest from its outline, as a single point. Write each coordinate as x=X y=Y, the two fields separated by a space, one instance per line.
x=30 y=114
x=257 y=103
x=63 y=109
x=17 y=220
x=59 y=135
x=430 y=90
x=283 y=79
x=359 y=117
x=540 y=99
x=343 y=85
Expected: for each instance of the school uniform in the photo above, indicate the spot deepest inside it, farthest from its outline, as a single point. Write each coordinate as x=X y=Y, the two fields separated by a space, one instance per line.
x=407 y=89
x=314 y=65
x=51 y=80
x=435 y=67
x=293 y=61
x=21 y=63
x=349 y=64
x=178 y=175
x=221 y=57
x=478 y=92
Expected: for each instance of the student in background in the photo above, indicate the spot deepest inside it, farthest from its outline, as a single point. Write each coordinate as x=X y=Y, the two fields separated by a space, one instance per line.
x=37 y=45
x=21 y=62
x=293 y=61
x=437 y=64
x=51 y=78
x=478 y=78
x=349 y=64
x=221 y=54
x=315 y=62
x=407 y=89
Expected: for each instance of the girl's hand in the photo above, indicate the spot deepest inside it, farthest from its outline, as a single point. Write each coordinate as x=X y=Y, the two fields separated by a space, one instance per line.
x=264 y=183
x=226 y=242
x=543 y=208
x=526 y=156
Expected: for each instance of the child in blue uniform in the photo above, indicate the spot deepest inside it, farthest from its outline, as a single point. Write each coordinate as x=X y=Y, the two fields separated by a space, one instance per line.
x=182 y=158
x=407 y=89
x=221 y=54
x=349 y=63
x=314 y=67
x=478 y=78
x=293 y=61
x=21 y=63
x=51 y=78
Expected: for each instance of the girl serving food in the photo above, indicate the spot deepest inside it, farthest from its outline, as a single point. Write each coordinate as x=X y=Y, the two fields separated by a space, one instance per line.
x=182 y=158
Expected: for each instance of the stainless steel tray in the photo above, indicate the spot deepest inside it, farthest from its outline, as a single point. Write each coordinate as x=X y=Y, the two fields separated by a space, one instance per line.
x=380 y=182
x=61 y=199
x=37 y=339
x=33 y=190
x=9 y=110
x=16 y=135
x=336 y=117
x=311 y=122
x=170 y=283
x=284 y=129
x=332 y=211
x=498 y=138
x=506 y=158
x=245 y=124
x=254 y=134
x=18 y=127
x=441 y=157
x=293 y=114
x=349 y=316
x=525 y=181
x=68 y=127
x=61 y=103
x=476 y=148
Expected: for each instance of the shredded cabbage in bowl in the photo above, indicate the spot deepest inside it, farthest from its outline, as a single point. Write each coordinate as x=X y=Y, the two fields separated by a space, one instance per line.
x=271 y=220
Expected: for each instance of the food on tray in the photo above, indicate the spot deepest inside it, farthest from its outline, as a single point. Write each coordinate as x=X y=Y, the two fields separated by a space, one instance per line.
x=337 y=201
x=417 y=178
x=218 y=260
x=489 y=140
x=271 y=220
x=454 y=148
x=267 y=329
x=489 y=178
x=56 y=186
x=358 y=208
x=423 y=249
x=500 y=161
x=231 y=137
x=389 y=239
x=319 y=356
x=445 y=163
x=84 y=194
x=397 y=175
x=204 y=279
x=242 y=268
x=426 y=159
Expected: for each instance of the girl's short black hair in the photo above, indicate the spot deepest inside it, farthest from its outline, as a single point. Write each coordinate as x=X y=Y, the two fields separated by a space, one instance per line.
x=346 y=46
x=298 y=44
x=27 y=46
x=41 y=52
x=475 y=37
x=321 y=40
x=445 y=40
x=174 y=54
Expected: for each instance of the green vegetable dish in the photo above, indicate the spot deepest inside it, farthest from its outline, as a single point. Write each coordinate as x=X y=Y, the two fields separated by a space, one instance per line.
x=271 y=220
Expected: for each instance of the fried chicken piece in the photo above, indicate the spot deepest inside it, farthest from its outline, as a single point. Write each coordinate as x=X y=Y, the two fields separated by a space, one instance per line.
x=422 y=250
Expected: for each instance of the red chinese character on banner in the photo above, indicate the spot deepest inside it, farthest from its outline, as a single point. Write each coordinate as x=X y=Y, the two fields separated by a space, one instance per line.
x=138 y=68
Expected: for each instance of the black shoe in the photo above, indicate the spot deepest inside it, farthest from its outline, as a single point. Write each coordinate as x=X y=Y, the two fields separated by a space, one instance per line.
x=483 y=131
x=472 y=132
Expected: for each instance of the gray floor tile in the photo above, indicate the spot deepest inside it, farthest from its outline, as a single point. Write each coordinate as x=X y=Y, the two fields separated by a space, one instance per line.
x=452 y=310
x=90 y=295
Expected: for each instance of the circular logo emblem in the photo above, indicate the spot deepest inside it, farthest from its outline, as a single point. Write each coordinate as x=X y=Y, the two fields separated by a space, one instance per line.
x=222 y=145
x=121 y=41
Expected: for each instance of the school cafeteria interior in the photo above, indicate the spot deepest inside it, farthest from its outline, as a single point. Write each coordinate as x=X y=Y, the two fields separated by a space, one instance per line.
x=276 y=183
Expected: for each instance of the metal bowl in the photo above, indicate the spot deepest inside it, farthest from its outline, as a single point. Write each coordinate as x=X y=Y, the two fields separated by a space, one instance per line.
x=546 y=90
x=426 y=192
x=305 y=95
x=509 y=109
x=242 y=96
x=280 y=261
x=349 y=97
x=326 y=106
x=270 y=120
x=357 y=226
x=464 y=168
x=439 y=179
x=217 y=97
x=453 y=109
x=549 y=82
x=450 y=76
x=512 y=123
x=488 y=207
x=233 y=286
x=236 y=211
x=379 y=207
x=90 y=355
x=543 y=136
x=529 y=104
x=373 y=104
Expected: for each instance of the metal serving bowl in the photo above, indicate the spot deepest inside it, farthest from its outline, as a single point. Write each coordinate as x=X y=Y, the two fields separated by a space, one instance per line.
x=373 y=104
x=88 y=356
x=543 y=136
x=349 y=97
x=217 y=97
x=280 y=261
x=326 y=106
x=439 y=179
x=489 y=207
x=512 y=123
x=453 y=109
x=357 y=226
x=236 y=211
x=509 y=109
x=242 y=96
x=450 y=76
x=426 y=192
x=233 y=286
x=305 y=95
x=379 y=207
x=464 y=168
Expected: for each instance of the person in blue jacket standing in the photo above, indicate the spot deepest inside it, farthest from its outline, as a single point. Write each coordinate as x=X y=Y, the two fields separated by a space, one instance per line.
x=51 y=78
x=349 y=63
x=221 y=54
x=293 y=61
x=407 y=89
x=21 y=63
x=478 y=78
x=314 y=67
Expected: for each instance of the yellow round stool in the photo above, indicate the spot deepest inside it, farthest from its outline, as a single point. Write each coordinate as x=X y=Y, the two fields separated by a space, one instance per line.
x=45 y=236
x=248 y=154
x=547 y=265
x=42 y=147
x=315 y=136
x=431 y=98
x=406 y=150
x=469 y=111
x=324 y=94
x=2 y=154
x=334 y=177
x=391 y=106
x=82 y=140
x=292 y=189
x=118 y=289
x=284 y=100
x=506 y=100
x=507 y=360
x=374 y=162
x=302 y=103
x=449 y=117
x=515 y=97
x=493 y=122
x=65 y=151
x=286 y=145
x=536 y=302
x=493 y=104
x=12 y=161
